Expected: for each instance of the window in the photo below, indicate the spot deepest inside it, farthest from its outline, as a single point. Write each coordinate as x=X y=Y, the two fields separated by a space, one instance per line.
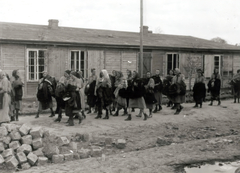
x=36 y=64
x=172 y=62
x=217 y=63
x=78 y=62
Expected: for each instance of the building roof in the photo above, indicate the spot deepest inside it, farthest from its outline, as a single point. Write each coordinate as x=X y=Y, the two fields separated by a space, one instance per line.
x=67 y=35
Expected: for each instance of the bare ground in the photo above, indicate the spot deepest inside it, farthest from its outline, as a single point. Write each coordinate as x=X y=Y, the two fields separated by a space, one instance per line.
x=194 y=136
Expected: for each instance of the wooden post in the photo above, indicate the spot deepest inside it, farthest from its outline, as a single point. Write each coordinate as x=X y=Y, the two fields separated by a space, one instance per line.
x=141 y=39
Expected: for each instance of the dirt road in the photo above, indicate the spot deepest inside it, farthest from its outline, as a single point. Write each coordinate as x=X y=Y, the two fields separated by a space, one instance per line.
x=193 y=136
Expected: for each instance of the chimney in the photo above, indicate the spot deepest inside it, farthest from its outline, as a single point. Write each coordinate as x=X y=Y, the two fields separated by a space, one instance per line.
x=52 y=23
x=145 y=30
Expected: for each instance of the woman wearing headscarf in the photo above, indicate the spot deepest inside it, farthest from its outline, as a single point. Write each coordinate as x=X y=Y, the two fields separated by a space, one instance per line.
x=166 y=83
x=121 y=95
x=136 y=100
x=129 y=79
x=214 y=86
x=158 y=91
x=59 y=93
x=104 y=94
x=90 y=90
x=149 y=95
x=45 y=91
x=199 y=89
x=5 y=98
x=72 y=98
x=17 y=85
x=81 y=92
x=178 y=90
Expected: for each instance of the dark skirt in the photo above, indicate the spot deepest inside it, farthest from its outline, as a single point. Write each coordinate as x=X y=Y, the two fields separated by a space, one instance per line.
x=199 y=92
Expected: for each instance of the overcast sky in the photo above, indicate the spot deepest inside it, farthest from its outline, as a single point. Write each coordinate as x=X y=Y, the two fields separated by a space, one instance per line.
x=200 y=18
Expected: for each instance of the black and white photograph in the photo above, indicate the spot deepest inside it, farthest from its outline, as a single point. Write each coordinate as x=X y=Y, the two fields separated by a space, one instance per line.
x=109 y=86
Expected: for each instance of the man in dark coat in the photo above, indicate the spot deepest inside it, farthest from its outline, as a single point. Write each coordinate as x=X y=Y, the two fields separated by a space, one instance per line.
x=45 y=92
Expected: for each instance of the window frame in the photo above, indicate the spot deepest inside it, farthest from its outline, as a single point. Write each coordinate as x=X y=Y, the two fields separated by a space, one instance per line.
x=177 y=61
x=36 y=64
x=219 y=60
x=85 y=70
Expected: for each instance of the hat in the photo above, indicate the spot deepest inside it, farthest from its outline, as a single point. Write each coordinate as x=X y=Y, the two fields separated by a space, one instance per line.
x=199 y=70
x=68 y=72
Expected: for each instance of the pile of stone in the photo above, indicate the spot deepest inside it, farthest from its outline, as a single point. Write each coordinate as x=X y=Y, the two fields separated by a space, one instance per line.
x=22 y=147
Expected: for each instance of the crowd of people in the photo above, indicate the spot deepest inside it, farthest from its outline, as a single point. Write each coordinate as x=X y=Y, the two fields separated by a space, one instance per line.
x=109 y=92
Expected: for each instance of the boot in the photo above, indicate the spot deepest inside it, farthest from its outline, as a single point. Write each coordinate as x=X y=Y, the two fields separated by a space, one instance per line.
x=211 y=103
x=116 y=113
x=145 y=116
x=106 y=116
x=89 y=111
x=98 y=116
x=125 y=112
x=155 y=110
x=79 y=118
x=129 y=118
x=133 y=110
x=12 y=118
x=200 y=105
x=150 y=113
x=57 y=120
x=37 y=116
x=159 y=108
x=70 y=122
x=16 y=115
x=196 y=106
x=83 y=114
x=219 y=102
x=177 y=112
x=52 y=113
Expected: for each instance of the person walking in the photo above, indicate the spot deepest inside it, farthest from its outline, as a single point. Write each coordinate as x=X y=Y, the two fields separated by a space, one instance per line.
x=149 y=95
x=214 y=86
x=104 y=94
x=199 y=89
x=90 y=90
x=179 y=87
x=136 y=100
x=82 y=95
x=45 y=91
x=5 y=99
x=17 y=85
x=158 y=91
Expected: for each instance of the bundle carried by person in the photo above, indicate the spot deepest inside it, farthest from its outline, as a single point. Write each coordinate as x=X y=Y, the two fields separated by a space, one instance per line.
x=177 y=89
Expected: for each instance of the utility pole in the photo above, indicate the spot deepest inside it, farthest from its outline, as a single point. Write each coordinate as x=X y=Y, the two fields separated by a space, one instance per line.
x=141 y=39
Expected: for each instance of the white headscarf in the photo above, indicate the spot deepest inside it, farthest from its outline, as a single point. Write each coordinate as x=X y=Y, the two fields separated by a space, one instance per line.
x=105 y=74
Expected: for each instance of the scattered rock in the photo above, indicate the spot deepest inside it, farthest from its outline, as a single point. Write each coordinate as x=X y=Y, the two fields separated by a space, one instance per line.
x=1 y=159
x=14 y=145
x=42 y=161
x=68 y=157
x=37 y=143
x=36 y=132
x=108 y=141
x=96 y=152
x=8 y=152
x=6 y=140
x=24 y=130
x=2 y=148
x=27 y=139
x=163 y=142
x=15 y=136
x=76 y=156
x=32 y=159
x=63 y=141
x=3 y=131
x=21 y=157
x=73 y=146
x=50 y=150
x=11 y=162
x=25 y=166
x=58 y=158
x=84 y=153
x=121 y=143
x=38 y=152
x=237 y=170
x=10 y=127
x=25 y=148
